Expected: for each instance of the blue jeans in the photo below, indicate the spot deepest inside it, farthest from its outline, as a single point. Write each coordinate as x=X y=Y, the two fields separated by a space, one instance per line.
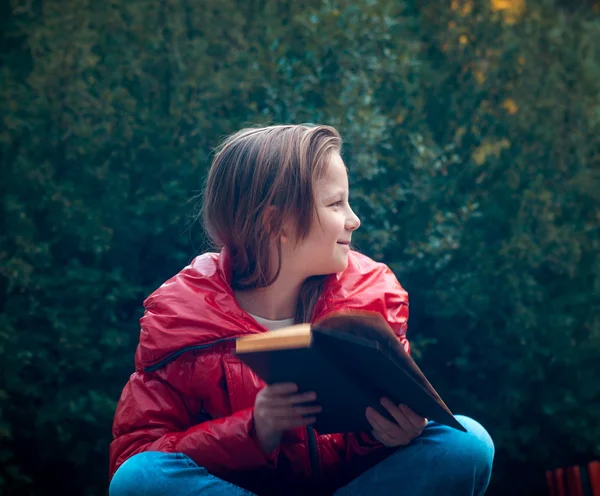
x=440 y=461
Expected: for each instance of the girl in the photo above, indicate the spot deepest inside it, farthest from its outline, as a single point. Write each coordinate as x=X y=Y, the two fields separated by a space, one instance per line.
x=192 y=420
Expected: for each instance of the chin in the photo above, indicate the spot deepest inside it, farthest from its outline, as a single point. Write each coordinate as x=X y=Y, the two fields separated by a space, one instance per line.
x=335 y=267
x=341 y=265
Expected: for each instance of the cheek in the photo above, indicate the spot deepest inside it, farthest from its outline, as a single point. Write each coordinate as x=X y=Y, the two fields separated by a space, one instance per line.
x=333 y=226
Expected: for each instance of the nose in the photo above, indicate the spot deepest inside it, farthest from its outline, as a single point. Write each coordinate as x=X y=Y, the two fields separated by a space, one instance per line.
x=352 y=222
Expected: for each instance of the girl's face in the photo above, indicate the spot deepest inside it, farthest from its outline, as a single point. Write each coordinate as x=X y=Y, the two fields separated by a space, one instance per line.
x=325 y=249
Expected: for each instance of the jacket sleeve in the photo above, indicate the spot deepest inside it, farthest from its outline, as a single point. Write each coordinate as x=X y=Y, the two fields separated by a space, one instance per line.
x=153 y=416
x=382 y=292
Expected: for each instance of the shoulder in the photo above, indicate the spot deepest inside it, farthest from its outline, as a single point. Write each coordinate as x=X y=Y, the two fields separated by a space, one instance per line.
x=369 y=286
x=360 y=263
x=201 y=274
x=366 y=275
x=194 y=307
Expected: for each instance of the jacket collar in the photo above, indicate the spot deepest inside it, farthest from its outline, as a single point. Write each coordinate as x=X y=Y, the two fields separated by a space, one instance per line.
x=197 y=308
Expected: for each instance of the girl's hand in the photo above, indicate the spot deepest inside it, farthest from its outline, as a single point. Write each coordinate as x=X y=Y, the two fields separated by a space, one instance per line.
x=276 y=410
x=407 y=427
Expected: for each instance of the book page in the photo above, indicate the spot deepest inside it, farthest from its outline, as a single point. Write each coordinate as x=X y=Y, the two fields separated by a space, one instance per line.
x=371 y=325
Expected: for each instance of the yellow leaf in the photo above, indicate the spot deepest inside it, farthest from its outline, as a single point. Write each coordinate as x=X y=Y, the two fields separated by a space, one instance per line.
x=480 y=77
x=466 y=8
x=500 y=4
x=459 y=133
x=503 y=145
x=479 y=155
x=488 y=148
x=463 y=40
x=511 y=9
x=510 y=106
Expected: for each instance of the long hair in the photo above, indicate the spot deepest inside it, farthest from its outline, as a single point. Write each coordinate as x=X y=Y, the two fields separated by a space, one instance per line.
x=259 y=178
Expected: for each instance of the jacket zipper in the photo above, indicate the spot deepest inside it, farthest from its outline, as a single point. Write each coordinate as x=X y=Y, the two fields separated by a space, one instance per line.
x=313 y=453
x=176 y=354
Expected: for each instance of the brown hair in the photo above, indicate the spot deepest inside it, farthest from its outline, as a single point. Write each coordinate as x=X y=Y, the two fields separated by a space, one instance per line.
x=256 y=169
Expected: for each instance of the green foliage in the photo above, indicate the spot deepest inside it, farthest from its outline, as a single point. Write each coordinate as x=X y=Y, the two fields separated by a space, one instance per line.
x=472 y=136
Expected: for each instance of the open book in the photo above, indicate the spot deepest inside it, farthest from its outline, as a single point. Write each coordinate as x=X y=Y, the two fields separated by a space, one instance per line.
x=350 y=360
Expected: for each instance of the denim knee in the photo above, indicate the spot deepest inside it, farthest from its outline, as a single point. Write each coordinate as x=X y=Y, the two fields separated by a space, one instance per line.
x=140 y=475
x=473 y=451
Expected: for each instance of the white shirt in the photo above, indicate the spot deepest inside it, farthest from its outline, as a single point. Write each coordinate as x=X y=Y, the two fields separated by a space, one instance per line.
x=273 y=324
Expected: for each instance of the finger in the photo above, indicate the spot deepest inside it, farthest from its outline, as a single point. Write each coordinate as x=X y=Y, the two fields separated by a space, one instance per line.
x=398 y=438
x=415 y=419
x=397 y=413
x=383 y=438
x=387 y=440
x=292 y=423
x=299 y=411
x=307 y=410
x=412 y=429
x=288 y=400
x=281 y=388
x=370 y=420
x=301 y=398
x=380 y=423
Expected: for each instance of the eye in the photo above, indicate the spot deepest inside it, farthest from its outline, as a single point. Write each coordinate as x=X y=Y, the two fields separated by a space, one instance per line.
x=337 y=204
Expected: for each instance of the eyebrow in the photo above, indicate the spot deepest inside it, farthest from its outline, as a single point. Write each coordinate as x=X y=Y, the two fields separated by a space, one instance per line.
x=336 y=194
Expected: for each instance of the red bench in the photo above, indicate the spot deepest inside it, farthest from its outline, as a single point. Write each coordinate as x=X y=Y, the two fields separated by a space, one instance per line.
x=579 y=480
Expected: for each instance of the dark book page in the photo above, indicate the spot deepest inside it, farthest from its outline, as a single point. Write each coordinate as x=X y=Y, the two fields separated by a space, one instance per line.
x=376 y=369
x=373 y=327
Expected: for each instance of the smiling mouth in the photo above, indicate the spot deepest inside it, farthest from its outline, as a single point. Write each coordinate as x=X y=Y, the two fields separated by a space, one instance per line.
x=343 y=243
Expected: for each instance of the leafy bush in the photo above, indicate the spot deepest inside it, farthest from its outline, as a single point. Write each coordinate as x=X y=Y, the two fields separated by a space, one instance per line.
x=472 y=136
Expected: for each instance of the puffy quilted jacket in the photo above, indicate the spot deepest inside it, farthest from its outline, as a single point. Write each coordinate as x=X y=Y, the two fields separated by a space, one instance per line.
x=190 y=394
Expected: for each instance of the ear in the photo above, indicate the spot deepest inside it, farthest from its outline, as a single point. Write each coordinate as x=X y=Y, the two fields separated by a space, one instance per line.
x=286 y=232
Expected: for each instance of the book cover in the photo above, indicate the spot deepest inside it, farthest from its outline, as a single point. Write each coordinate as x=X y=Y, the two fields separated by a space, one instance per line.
x=350 y=360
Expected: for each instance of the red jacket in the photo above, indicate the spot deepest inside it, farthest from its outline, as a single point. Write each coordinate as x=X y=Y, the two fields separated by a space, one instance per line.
x=190 y=394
